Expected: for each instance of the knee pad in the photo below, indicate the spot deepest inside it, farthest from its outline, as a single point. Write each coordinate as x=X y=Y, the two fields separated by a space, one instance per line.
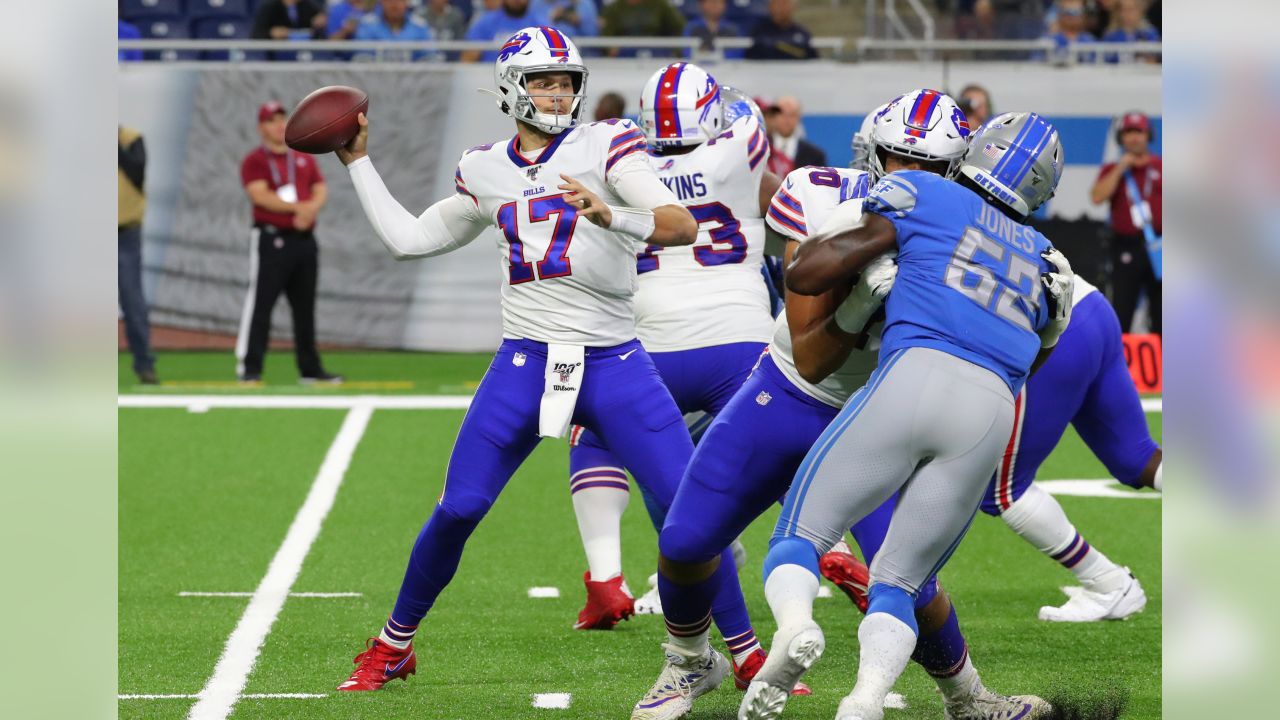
x=895 y=601
x=682 y=543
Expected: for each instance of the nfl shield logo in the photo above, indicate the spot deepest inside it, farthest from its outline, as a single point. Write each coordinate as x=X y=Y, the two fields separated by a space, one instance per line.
x=518 y=360
x=532 y=172
x=763 y=398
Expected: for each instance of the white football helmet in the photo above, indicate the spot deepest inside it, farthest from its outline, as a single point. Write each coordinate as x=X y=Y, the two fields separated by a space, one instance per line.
x=681 y=106
x=862 y=140
x=531 y=51
x=923 y=124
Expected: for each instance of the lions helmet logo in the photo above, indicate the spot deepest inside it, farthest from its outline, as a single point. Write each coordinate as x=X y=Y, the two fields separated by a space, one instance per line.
x=514 y=45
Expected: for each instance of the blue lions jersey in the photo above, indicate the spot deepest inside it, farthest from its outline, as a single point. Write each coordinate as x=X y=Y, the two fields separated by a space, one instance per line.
x=968 y=275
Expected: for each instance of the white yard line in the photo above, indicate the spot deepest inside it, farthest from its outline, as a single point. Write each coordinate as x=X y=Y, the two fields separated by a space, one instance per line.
x=544 y=592
x=250 y=696
x=220 y=694
x=190 y=593
x=552 y=701
x=203 y=403
x=1105 y=488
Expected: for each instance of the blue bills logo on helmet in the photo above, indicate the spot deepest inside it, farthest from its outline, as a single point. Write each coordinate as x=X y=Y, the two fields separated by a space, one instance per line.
x=513 y=45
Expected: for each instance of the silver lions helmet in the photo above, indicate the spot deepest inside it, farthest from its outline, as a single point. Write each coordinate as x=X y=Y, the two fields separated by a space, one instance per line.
x=736 y=104
x=862 y=140
x=1017 y=158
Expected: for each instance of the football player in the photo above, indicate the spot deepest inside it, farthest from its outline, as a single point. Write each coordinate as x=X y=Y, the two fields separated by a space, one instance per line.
x=703 y=314
x=979 y=301
x=569 y=352
x=1084 y=383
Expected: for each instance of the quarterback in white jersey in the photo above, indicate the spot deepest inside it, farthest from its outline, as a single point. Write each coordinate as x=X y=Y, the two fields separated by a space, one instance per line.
x=556 y=191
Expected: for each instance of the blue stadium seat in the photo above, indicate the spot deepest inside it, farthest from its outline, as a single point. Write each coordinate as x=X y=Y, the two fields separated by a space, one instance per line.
x=166 y=28
x=225 y=28
x=217 y=8
x=745 y=13
x=688 y=7
x=138 y=11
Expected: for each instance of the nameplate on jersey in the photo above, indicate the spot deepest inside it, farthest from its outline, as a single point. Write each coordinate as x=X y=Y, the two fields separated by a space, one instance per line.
x=686 y=187
x=1145 y=358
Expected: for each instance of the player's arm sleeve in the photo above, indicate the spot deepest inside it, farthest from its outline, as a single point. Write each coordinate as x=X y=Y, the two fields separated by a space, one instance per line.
x=638 y=185
x=786 y=211
x=447 y=225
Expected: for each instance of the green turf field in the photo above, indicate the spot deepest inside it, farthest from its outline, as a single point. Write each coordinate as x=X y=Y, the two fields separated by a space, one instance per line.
x=206 y=499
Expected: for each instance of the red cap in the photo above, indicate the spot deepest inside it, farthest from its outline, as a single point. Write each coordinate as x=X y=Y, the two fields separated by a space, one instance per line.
x=764 y=103
x=270 y=109
x=1135 y=121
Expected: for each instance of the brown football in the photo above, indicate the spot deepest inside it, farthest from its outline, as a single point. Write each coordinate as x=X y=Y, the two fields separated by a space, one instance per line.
x=325 y=120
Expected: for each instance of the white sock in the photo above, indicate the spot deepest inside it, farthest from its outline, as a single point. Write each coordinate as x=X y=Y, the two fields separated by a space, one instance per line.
x=694 y=645
x=1040 y=520
x=1157 y=483
x=886 y=645
x=599 y=511
x=960 y=686
x=790 y=590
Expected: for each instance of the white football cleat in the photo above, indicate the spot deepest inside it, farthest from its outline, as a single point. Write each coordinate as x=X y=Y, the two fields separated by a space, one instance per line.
x=986 y=705
x=794 y=650
x=849 y=710
x=1086 y=605
x=651 y=602
x=684 y=679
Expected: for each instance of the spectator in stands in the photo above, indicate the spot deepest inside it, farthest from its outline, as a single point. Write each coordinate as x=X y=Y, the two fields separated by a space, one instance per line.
x=1129 y=24
x=1070 y=28
x=345 y=17
x=975 y=101
x=131 y=170
x=786 y=135
x=641 y=18
x=288 y=20
x=500 y=24
x=444 y=18
x=287 y=192
x=712 y=25
x=127 y=31
x=975 y=20
x=610 y=107
x=1135 y=177
x=578 y=18
x=779 y=36
x=395 y=24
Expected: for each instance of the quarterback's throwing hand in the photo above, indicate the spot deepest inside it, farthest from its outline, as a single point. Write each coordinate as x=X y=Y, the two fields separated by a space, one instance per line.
x=358 y=147
x=587 y=203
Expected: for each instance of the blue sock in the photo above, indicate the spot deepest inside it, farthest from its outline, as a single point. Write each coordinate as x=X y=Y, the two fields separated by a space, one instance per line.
x=729 y=610
x=894 y=601
x=942 y=652
x=687 y=608
x=791 y=550
x=432 y=564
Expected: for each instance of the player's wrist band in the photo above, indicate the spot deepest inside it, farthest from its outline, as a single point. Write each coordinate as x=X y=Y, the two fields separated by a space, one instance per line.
x=638 y=224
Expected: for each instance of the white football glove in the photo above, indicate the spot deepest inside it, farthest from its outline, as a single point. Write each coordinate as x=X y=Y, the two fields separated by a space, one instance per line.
x=868 y=295
x=1059 y=287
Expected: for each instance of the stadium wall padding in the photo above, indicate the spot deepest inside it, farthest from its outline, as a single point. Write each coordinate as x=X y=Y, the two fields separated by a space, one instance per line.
x=200 y=120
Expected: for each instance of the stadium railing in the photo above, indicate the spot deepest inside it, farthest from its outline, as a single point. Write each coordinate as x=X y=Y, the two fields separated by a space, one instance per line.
x=839 y=48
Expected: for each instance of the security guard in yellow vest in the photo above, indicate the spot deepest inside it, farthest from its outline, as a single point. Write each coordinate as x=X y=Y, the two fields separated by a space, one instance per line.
x=133 y=203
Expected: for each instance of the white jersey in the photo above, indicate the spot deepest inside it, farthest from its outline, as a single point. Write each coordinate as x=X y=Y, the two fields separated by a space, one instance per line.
x=712 y=292
x=565 y=279
x=799 y=209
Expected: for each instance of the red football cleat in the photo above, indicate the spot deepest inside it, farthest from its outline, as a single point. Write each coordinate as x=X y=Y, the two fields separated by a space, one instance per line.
x=742 y=675
x=848 y=573
x=608 y=603
x=379 y=665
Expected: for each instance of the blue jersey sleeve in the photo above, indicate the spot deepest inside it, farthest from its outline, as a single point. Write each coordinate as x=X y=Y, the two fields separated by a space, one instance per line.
x=892 y=197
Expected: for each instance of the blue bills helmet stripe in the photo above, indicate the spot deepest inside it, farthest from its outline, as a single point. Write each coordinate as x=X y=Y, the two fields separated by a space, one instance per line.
x=664 y=102
x=555 y=41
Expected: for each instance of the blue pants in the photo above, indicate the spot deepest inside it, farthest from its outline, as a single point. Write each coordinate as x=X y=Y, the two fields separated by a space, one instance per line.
x=622 y=400
x=703 y=379
x=133 y=304
x=746 y=462
x=1085 y=383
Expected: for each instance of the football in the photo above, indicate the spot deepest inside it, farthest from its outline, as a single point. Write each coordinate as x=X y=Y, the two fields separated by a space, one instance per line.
x=325 y=120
